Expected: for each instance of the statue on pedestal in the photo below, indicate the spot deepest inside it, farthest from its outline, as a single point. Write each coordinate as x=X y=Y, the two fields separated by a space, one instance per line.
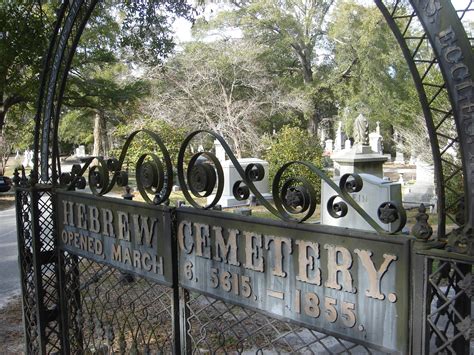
x=361 y=130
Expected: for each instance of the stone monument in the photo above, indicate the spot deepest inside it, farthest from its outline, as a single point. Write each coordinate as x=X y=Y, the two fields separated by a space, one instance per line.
x=375 y=140
x=338 y=139
x=359 y=158
x=423 y=190
x=375 y=191
x=219 y=149
x=80 y=151
x=231 y=176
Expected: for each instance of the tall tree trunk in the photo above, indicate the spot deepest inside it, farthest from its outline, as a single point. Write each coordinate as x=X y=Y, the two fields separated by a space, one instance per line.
x=100 y=135
x=313 y=120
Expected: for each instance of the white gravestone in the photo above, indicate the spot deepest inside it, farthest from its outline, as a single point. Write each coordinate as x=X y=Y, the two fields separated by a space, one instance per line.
x=347 y=144
x=80 y=151
x=231 y=176
x=28 y=158
x=219 y=149
x=375 y=140
x=338 y=138
x=375 y=191
x=328 y=146
x=423 y=190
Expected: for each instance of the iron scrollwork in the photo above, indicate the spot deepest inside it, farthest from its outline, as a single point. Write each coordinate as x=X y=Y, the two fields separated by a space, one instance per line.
x=294 y=197
x=154 y=174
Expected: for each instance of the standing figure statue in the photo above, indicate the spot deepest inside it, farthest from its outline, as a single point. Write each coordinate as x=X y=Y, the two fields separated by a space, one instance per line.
x=361 y=130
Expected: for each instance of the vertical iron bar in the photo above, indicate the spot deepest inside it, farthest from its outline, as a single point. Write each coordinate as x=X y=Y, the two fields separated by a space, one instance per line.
x=463 y=306
x=418 y=304
x=186 y=344
x=177 y=322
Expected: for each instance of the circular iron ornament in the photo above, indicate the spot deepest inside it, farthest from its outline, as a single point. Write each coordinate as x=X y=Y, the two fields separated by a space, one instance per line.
x=338 y=209
x=240 y=191
x=80 y=183
x=151 y=178
x=201 y=176
x=122 y=178
x=200 y=179
x=255 y=172
x=113 y=164
x=298 y=196
x=351 y=183
x=99 y=177
x=392 y=212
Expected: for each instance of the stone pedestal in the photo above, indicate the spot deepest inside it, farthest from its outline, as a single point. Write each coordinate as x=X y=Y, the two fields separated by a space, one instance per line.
x=423 y=190
x=231 y=176
x=375 y=191
x=359 y=159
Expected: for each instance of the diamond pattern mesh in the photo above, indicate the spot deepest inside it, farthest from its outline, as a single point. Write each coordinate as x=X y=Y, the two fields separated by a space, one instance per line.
x=110 y=312
x=23 y=205
x=218 y=327
x=450 y=285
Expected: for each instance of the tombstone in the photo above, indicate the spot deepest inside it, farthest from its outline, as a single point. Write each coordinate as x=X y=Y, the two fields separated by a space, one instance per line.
x=220 y=151
x=423 y=190
x=80 y=151
x=347 y=144
x=338 y=139
x=328 y=146
x=375 y=140
x=28 y=158
x=399 y=157
x=375 y=191
x=231 y=176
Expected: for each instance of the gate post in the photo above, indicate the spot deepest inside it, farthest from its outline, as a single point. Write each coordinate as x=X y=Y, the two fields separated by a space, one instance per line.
x=419 y=339
x=38 y=266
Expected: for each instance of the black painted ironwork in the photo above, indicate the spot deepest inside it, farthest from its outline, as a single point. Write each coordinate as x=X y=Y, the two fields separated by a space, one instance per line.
x=67 y=300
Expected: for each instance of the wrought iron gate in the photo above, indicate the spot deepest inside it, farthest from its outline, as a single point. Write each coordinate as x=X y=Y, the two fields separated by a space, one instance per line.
x=73 y=303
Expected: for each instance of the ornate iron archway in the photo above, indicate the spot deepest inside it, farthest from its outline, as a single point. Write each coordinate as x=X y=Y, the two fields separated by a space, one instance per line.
x=439 y=28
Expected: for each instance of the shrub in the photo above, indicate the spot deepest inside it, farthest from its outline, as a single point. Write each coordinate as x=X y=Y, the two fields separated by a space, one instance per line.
x=290 y=144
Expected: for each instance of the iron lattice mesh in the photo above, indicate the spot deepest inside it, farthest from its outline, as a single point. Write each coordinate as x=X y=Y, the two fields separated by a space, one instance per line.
x=218 y=327
x=23 y=201
x=449 y=318
x=109 y=311
x=48 y=265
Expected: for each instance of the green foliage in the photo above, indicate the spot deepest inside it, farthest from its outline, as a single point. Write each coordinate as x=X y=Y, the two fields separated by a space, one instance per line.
x=372 y=72
x=172 y=137
x=23 y=40
x=291 y=144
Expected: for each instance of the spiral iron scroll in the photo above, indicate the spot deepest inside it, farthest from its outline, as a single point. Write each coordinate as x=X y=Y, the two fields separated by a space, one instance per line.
x=291 y=197
x=154 y=175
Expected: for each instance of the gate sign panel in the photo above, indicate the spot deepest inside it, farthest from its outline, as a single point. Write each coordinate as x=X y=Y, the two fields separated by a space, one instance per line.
x=127 y=235
x=347 y=283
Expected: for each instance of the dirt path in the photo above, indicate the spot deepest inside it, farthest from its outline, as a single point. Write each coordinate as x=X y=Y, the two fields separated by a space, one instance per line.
x=11 y=328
